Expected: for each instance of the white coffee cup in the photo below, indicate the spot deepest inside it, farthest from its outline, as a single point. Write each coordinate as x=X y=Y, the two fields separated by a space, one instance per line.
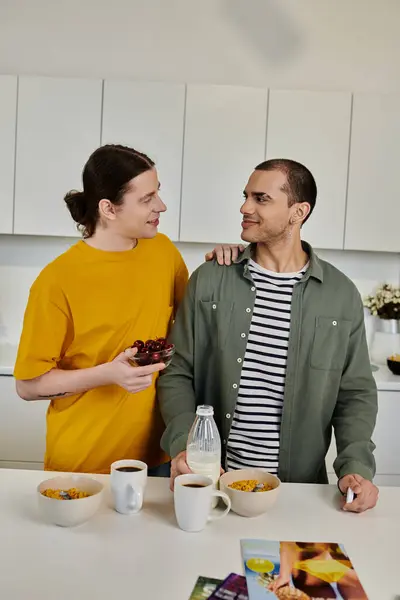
x=193 y=496
x=128 y=485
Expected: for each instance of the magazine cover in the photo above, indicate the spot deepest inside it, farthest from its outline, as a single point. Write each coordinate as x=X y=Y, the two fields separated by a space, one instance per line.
x=234 y=587
x=204 y=588
x=300 y=570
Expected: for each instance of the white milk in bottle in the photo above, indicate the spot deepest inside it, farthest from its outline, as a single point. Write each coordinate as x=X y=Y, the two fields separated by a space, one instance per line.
x=203 y=450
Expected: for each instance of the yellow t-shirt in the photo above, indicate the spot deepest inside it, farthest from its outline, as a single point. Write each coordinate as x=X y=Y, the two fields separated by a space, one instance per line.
x=85 y=308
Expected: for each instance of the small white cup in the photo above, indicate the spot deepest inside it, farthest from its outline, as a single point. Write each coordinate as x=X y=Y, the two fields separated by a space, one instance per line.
x=193 y=496
x=128 y=486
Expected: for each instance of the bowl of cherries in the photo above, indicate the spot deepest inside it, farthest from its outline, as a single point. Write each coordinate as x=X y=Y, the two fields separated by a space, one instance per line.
x=152 y=352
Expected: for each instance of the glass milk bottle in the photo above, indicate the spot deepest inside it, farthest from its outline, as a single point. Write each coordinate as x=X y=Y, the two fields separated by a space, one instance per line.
x=203 y=450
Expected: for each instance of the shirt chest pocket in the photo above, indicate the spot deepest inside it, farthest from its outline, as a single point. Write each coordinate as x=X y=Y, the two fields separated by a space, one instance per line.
x=217 y=316
x=331 y=340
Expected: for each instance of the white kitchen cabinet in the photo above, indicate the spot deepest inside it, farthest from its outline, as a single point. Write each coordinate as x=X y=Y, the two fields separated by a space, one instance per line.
x=150 y=118
x=22 y=428
x=386 y=439
x=373 y=206
x=313 y=128
x=59 y=122
x=8 y=116
x=224 y=140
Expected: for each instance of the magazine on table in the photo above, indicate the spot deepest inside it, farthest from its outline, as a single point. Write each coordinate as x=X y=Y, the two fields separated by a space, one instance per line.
x=204 y=587
x=233 y=587
x=299 y=570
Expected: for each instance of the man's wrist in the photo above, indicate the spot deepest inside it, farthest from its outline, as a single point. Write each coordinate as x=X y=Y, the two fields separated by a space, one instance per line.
x=104 y=374
x=355 y=467
x=178 y=445
x=180 y=454
x=338 y=485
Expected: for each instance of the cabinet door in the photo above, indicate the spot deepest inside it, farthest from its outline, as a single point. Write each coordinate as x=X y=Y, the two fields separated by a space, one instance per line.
x=150 y=117
x=59 y=124
x=373 y=206
x=22 y=426
x=386 y=439
x=224 y=140
x=386 y=434
x=313 y=128
x=8 y=112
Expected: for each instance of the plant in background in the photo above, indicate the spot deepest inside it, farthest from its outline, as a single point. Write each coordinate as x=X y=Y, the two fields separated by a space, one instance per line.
x=385 y=303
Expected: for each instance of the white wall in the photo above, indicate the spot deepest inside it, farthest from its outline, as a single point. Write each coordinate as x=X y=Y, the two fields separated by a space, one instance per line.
x=309 y=44
x=306 y=44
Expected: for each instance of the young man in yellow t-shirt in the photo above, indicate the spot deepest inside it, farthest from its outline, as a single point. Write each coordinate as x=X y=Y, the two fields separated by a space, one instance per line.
x=122 y=282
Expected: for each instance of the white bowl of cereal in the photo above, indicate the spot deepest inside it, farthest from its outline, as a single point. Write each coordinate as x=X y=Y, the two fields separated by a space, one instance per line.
x=252 y=491
x=69 y=500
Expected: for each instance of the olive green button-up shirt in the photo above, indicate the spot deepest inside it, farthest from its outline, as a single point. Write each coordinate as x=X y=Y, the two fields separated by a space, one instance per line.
x=328 y=376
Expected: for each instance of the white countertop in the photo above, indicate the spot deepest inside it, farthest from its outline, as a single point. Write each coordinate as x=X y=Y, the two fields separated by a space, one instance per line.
x=147 y=557
x=386 y=381
x=8 y=354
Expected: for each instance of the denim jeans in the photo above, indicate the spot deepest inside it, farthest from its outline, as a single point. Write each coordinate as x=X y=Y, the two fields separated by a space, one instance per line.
x=160 y=471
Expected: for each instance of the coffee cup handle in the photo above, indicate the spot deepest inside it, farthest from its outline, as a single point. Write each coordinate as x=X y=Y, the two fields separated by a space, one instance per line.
x=216 y=515
x=134 y=499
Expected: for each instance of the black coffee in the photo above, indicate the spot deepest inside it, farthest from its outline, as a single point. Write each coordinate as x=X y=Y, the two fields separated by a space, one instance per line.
x=129 y=469
x=194 y=485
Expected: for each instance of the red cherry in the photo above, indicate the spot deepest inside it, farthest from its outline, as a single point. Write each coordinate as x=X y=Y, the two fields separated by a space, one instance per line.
x=169 y=346
x=156 y=347
x=162 y=341
x=149 y=343
x=143 y=358
x=138 y=344
x=156 y=357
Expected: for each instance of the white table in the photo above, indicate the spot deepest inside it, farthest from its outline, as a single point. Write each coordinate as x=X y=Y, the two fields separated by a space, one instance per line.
x=146 y=556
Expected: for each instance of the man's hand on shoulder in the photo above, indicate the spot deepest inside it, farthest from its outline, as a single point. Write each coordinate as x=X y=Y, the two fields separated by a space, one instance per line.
x=366 y=493
x=225 y=253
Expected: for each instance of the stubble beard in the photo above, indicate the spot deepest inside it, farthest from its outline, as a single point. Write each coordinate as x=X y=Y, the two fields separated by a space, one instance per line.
x=271 y=238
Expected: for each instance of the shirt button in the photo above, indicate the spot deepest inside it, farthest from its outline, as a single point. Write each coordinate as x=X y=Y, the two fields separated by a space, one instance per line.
x=214 y=306
x=235 y=386
x=228 y=416
x=239 y=360
x=243 y=335
x=248 y=309
x=253 y=289
x=334 y=323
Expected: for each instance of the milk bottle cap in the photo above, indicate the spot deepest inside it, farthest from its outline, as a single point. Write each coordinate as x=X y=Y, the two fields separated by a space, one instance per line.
x=205 y=411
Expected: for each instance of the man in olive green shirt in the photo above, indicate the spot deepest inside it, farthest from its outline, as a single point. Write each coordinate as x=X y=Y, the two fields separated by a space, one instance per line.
x=308 y=374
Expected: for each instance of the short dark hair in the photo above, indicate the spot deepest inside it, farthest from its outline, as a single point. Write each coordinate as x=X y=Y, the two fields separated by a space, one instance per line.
x=300 y=187
x=106 y=174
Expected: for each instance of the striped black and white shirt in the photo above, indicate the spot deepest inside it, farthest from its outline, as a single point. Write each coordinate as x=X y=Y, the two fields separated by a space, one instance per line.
x=255 y=432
